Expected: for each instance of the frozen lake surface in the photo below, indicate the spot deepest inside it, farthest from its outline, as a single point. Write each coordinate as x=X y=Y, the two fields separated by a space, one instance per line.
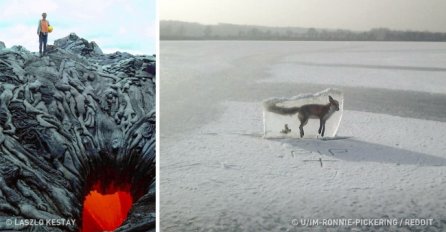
x=219 y=174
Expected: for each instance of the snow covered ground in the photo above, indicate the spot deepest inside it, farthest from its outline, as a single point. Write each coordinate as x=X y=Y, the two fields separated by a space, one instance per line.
x=390 y=66
x=219 y=174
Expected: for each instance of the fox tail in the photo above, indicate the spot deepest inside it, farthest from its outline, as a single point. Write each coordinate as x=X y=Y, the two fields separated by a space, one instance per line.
x=271 y=105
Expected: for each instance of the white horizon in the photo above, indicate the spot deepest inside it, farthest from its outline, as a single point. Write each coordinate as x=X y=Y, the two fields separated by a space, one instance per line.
x=356 y=15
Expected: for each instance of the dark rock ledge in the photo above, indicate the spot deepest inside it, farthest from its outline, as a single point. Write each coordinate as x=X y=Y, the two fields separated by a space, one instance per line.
x=69 y=120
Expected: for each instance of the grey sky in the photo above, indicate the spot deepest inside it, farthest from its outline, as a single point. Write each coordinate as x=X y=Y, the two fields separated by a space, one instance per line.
x=347 y=14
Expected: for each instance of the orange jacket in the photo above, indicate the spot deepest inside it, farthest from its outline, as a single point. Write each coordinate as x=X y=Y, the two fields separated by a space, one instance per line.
x=43 y=26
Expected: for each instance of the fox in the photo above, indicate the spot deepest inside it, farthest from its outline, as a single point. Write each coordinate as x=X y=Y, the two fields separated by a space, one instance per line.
x=305 y=112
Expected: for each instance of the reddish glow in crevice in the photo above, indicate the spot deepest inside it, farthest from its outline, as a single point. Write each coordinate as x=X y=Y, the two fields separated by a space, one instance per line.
x=105 y=212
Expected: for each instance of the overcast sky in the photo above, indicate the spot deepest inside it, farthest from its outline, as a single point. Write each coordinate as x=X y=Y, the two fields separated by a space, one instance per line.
x=115 y=25
x=346 y=14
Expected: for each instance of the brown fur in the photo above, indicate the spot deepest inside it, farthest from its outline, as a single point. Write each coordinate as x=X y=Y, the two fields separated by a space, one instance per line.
x=305 y=112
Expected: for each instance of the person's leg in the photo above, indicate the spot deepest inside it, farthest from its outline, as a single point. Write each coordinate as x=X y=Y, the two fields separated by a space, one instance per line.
x=44 y=43
x=40 y=43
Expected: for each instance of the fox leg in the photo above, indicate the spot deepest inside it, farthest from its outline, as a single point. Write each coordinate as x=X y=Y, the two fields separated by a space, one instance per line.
x=303 y=122
x=323 y=128
x=320 y=126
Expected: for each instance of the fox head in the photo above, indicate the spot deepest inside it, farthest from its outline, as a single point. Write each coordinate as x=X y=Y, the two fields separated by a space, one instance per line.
x=333 y=103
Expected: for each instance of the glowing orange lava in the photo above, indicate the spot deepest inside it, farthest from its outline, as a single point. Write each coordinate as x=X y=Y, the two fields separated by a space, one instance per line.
x=105 y=212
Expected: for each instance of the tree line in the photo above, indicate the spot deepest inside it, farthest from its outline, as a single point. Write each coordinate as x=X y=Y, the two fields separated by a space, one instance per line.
x=178 y=30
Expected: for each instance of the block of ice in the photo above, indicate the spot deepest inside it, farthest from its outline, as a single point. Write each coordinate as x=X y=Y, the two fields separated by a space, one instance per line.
x=283 y=117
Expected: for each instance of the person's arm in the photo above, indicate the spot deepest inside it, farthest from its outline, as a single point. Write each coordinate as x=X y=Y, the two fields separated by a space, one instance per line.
x=38 y=28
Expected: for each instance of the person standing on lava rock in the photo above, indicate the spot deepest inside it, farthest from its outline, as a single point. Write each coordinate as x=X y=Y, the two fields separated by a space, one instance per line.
x=42 y=31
